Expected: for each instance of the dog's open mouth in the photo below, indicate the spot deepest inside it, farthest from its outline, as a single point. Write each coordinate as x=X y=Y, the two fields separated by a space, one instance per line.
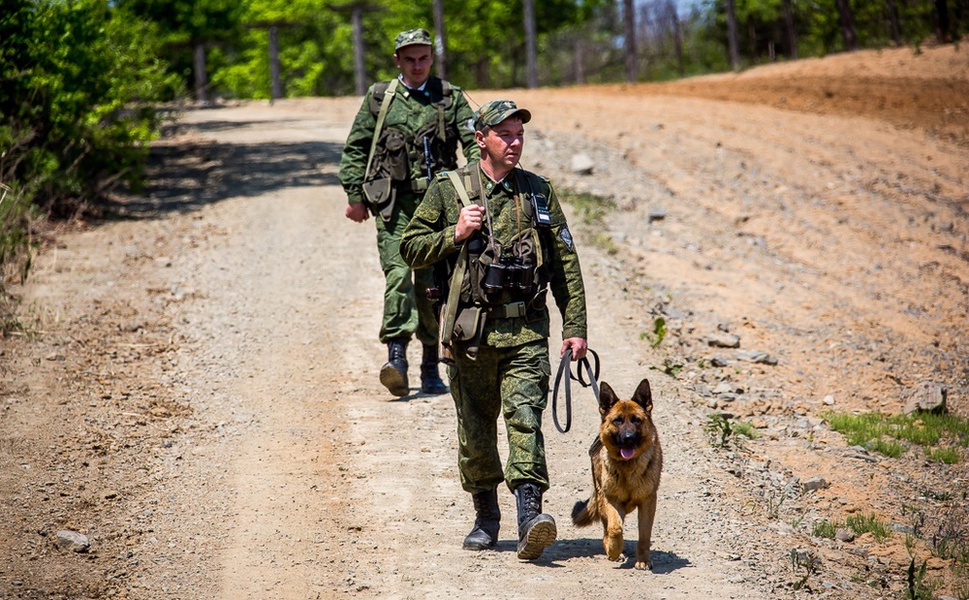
x=627 y=453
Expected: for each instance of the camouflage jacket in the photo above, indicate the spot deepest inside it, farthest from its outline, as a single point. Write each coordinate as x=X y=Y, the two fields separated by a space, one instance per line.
x=410 y=112
x=429 y=239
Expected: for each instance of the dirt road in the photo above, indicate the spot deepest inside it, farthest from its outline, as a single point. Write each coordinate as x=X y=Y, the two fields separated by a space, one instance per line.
x=195 y=389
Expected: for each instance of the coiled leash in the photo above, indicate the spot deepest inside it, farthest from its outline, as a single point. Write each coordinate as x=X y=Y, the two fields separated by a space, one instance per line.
x=563 y=367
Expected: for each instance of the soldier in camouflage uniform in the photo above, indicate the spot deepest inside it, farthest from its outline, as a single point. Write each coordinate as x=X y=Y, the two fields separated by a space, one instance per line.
x=501 y=324
x=387 y=164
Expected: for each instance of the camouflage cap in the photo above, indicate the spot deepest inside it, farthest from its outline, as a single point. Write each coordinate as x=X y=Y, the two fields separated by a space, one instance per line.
x=496 y=111
x=412 y=37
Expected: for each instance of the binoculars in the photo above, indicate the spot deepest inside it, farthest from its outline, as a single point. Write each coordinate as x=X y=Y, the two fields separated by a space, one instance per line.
x=511 y=275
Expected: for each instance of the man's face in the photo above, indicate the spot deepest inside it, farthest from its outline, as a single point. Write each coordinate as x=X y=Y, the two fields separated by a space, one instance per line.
x=414 y=63
x=502 y=143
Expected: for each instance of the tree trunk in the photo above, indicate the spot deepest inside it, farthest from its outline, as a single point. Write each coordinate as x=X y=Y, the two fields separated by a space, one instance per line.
x=791 y=31
x=358 y=57
x=629 y=16
x=578 y=60
x=732 y=34
x=201 y=83
x=943 y=28
x=440 y=41
x=531 y=60
x=677 y=38
x=848 y=32
x=276 y=85
x=893 y=27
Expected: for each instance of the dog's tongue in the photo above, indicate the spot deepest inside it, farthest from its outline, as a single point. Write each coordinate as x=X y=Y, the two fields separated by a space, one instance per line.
x=627 y=453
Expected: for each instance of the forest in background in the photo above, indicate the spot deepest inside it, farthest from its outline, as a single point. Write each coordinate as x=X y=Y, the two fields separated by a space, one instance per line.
x=84 y=83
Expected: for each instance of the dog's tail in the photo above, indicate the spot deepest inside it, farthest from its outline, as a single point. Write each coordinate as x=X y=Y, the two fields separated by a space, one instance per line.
x=584 y=513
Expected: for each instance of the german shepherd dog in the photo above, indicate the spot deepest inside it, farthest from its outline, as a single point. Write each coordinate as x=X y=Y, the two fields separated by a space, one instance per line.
x=626 y=464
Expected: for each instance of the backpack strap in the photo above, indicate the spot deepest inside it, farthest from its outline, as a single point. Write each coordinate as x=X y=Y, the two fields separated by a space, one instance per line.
x=381 y=116
x=450 y=313
x=446 y=91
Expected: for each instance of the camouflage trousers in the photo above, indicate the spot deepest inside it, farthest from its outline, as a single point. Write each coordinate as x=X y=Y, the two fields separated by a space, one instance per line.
x=513 y=382
x=407 y=311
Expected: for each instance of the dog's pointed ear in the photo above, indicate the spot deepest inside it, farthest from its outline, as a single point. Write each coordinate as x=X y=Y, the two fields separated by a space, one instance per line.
x=607 y=398
x=643 y=396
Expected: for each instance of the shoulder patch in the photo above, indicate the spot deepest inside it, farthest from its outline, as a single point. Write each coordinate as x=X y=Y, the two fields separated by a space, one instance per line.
x=566 y=236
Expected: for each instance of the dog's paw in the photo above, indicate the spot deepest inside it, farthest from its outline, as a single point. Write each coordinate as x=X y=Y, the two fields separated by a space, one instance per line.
x=644 y=565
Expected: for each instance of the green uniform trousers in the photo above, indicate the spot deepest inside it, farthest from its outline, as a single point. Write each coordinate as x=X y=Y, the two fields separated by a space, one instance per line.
x=513 y=381
x=407 y=310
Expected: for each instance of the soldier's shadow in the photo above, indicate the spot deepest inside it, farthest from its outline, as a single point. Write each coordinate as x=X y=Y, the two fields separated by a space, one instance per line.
x=414 y=393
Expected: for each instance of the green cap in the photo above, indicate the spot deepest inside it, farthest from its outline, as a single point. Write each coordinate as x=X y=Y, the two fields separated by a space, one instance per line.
x=496 y=111
x=412 y=37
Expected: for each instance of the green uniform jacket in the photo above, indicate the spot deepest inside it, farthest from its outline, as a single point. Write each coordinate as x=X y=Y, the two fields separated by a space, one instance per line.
x=409 y=112
x=429 y=238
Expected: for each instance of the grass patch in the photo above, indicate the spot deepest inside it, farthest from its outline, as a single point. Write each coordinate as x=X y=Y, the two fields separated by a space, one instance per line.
x=941 y=435
x=859 y=524
x=951 y=540
x=721 y=430
x=658 y=334
x=591 y=211
x=869 y=523
x=825 y=529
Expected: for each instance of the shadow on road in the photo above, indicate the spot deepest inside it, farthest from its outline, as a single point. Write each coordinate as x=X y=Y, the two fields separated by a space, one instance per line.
x=664 y=562
x=185 y=174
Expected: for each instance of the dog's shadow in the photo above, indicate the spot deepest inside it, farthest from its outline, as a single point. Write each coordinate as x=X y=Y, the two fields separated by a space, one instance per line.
x=415 y=394
x=664 y=561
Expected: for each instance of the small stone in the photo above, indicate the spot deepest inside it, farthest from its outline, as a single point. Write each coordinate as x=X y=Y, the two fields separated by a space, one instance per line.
x=844 y=535
x=814 y=483
x=928 y=396
x=719 y=361
x=657 y=214
x=756 y=356
x=582 y=164
x=828 y=400
x=73 y=540
x=723 y=340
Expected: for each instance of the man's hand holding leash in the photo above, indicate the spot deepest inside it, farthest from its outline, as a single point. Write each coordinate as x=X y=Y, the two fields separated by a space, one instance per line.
x=579 y=347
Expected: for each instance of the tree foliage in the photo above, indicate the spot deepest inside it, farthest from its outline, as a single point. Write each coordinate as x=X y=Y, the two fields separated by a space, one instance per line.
x=76 y=80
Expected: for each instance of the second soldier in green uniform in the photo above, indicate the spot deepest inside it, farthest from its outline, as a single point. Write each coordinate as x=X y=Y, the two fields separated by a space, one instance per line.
x=502 y=236
x=405 y=132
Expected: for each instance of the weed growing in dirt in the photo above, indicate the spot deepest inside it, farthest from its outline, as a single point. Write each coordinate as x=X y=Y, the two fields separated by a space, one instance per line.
x=722 y=430
x=592 y=210
x=859 y=524
x=774 y=502
x=949 y=456
x=869 y=523
x=951 y=540
x=670 y=367
x=658 y=334
x=825 y=529
x=804 y=560
x=920 y=588
x=922 y=429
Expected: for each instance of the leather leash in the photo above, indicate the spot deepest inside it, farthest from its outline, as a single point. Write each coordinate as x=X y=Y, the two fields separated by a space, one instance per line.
x=563 y=367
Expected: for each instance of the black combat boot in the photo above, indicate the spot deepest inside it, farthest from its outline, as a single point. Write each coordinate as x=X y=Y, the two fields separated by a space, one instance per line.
x=536 y=530
x=485 y=532
x=430 y=379
x=393 y=375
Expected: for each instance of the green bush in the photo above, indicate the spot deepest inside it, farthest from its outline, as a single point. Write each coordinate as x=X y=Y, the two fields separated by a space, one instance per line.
x=78 y=79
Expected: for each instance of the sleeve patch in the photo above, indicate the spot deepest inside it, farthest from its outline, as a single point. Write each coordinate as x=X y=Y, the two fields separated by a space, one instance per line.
x=566 y=236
